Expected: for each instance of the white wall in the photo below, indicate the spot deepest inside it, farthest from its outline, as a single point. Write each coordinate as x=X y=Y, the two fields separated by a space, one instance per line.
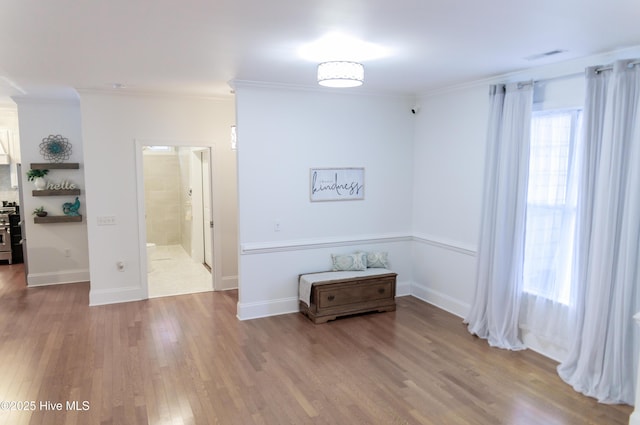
x=110 y=125
x=227 y=189
x=282 y=133
x=448 y=173
x=47 y=244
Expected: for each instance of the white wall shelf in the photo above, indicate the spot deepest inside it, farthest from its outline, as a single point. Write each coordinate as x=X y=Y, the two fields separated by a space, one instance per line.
x=56 y=192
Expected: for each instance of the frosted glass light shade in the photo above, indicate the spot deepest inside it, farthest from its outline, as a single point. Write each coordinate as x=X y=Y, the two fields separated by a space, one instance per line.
x=340 y=74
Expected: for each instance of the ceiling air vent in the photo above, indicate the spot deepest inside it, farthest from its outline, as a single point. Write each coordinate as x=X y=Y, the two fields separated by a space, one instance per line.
x=544 y=55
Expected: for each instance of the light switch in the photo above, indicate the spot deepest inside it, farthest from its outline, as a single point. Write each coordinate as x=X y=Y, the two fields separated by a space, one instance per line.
x=106 y=220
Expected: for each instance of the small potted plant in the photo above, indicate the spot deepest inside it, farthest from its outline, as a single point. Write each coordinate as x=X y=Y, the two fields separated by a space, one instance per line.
x=37 y=177
x=40 y=212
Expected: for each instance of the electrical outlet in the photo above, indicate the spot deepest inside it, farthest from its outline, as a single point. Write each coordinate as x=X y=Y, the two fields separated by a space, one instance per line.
x=120 y=266
x=276 y=226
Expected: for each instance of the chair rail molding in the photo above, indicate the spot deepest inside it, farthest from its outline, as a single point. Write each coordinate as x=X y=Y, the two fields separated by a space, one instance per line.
x=316 y=243
x=448 y=244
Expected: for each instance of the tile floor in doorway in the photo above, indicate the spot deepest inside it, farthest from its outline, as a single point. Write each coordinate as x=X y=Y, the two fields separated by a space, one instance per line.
x=174 y=272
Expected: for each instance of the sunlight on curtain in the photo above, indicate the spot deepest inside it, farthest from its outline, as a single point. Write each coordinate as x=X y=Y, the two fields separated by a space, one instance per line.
x=548 y=306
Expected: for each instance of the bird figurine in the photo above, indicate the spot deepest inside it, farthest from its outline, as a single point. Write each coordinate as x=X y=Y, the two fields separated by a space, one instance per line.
x=70 y=208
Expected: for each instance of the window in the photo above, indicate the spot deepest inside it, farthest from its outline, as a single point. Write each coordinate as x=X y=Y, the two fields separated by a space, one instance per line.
x=551 y=204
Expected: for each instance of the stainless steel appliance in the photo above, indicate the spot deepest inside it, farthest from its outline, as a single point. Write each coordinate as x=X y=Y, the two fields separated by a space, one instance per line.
x=22 y=241
x=16 y=236
x=5 y=233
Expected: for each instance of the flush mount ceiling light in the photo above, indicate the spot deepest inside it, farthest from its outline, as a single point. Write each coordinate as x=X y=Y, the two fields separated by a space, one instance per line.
x=340 y=74
x=340 y=57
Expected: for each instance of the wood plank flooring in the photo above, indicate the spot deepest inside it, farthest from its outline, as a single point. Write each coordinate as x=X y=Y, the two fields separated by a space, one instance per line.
x=188 y=360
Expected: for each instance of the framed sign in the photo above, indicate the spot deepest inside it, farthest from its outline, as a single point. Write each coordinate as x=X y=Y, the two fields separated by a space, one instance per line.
x=336 y=184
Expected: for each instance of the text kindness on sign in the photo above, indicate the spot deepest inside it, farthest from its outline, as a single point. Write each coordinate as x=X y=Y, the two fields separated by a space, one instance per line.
x=336 y=184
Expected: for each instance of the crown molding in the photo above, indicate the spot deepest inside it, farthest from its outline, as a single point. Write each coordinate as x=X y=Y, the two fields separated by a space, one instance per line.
x=352 y=91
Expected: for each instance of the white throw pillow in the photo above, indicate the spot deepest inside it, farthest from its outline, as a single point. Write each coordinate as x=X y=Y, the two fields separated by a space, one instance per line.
x=377 y=260
x=349 y=262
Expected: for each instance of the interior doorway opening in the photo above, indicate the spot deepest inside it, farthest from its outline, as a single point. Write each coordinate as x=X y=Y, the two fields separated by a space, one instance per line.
x=178 y=221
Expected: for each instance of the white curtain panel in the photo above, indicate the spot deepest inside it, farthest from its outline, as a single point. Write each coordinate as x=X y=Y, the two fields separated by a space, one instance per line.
x=495 y=309
x=549 y=298
x=603 y=360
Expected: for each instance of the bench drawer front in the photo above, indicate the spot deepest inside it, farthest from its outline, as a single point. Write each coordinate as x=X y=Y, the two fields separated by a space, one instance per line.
x=332 y=297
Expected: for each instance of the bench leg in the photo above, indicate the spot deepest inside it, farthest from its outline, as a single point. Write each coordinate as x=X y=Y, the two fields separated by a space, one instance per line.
x=323 y=319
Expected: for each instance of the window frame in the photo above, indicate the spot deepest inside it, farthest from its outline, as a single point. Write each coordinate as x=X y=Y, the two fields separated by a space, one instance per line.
x=569 y=203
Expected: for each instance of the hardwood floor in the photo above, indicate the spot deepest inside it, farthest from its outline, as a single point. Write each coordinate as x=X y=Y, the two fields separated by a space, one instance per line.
x=187 y=359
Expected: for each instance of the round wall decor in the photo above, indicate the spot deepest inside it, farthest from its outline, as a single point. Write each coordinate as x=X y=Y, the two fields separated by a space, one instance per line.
x=55 y=148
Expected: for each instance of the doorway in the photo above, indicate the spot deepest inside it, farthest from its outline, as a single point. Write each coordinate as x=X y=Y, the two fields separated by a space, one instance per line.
x=175 y=188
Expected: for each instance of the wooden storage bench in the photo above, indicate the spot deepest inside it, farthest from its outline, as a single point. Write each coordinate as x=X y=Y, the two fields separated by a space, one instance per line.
x=328 y=295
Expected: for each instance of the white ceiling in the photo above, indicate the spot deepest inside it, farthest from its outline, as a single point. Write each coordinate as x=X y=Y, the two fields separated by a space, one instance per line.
x=197 y=46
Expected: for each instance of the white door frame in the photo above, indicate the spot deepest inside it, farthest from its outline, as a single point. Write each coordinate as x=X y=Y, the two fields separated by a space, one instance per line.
x=202 y=158
x=216 y=274
x=198 y=227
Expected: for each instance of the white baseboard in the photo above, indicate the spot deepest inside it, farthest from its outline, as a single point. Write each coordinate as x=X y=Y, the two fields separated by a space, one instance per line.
x=229 y=282
x=116 y=295
x=247 y=311
x=58 y=278
x=634 y=419
x=403 y=289
x=440 y=300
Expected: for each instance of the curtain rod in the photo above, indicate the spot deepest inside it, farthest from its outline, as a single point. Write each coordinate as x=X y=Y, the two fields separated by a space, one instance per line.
x=610 y=67
x=544 y=80
x=576 y=74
